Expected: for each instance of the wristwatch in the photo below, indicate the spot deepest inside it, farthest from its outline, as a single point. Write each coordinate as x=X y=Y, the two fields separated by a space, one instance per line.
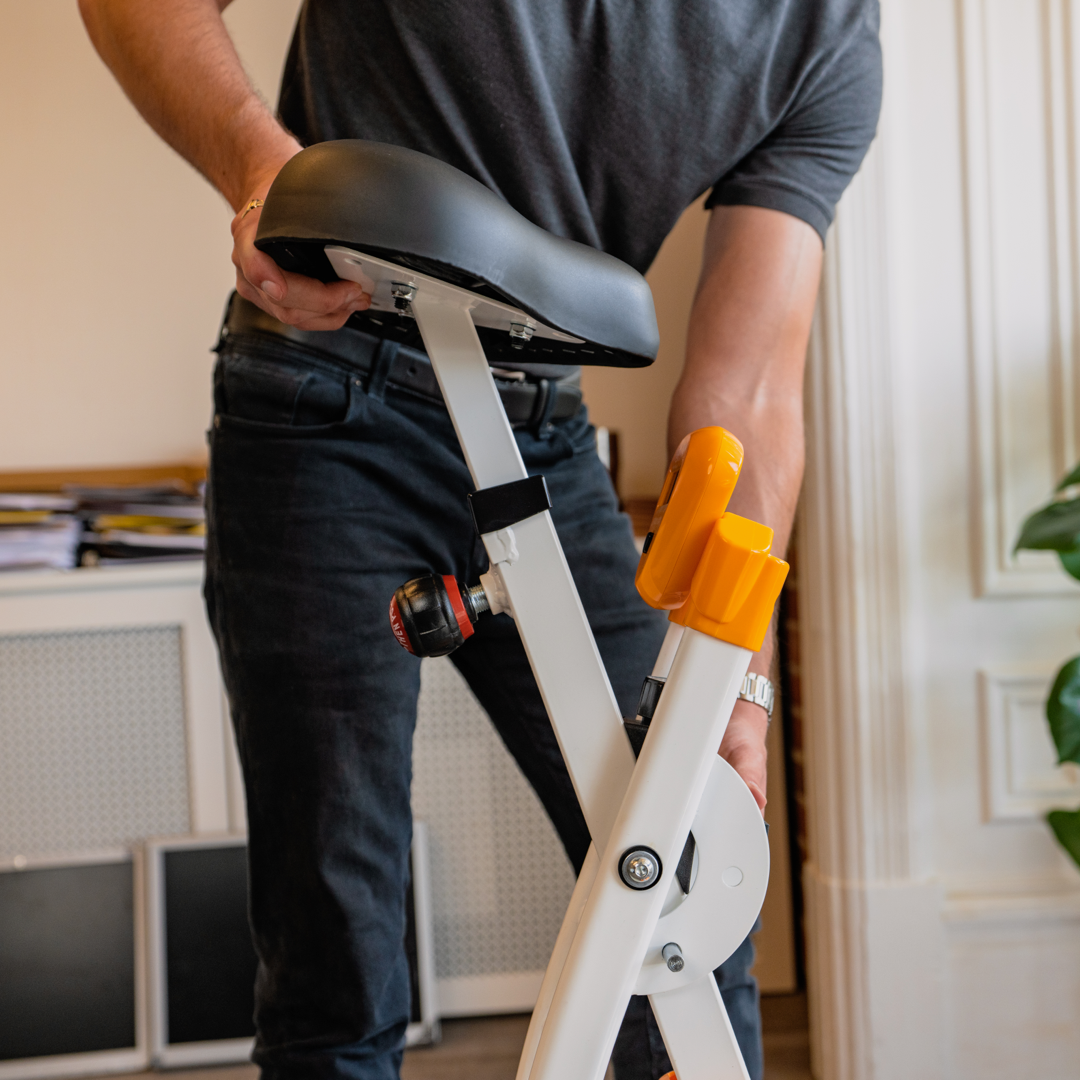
x=759 y=690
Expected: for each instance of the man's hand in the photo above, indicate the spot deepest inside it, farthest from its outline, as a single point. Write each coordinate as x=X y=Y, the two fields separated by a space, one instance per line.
x=745 y=354
x=294 y=299
x=743 y=746
x=177 y=64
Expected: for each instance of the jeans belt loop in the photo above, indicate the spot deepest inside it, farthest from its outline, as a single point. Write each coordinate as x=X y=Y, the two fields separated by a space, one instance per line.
x=381 y=365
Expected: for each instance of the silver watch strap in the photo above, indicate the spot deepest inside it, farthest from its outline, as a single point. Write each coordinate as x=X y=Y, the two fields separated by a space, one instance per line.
x=759 y=690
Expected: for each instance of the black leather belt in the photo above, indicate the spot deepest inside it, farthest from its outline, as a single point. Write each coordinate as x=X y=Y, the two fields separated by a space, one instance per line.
x=529 y=402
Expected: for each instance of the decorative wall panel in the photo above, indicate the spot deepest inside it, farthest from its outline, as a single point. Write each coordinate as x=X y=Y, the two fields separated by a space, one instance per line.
x=1020 y=776
x=1020 y=127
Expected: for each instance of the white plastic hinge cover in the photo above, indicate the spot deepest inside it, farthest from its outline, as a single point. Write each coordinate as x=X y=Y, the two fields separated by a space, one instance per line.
x=495 y=592
x=501 y=546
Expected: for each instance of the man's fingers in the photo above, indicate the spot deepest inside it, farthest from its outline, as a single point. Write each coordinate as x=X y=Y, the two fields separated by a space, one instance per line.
x=302 y=320
x=752 y=771
x=275 y=290
x=301 y=301
x=743 y=747
x=294 y=299
x=317 y=297
x=259 y=269
x=294 y=291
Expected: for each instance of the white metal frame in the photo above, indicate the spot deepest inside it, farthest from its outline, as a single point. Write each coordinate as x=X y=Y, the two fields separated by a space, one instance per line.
x=94 y=1062
x=610 y=939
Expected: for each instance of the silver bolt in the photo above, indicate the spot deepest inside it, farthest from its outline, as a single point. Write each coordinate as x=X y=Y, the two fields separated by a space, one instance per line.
x=640 y=868
x=479 y=599
x=403 y=294
x=673 y=956
x=520 y=334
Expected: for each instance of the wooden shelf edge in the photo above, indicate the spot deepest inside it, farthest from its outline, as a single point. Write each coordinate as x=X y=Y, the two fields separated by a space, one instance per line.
x=189 y=473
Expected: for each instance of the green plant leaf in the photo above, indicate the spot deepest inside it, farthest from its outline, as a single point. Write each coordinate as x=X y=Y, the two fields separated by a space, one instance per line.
x=1066 y=826
x=1071 y=561
x=1063 y=711
x=1070 y=479
x=1056 y=527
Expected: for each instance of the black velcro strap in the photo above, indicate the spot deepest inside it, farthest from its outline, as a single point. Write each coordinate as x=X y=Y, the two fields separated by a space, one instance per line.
x=495 y=508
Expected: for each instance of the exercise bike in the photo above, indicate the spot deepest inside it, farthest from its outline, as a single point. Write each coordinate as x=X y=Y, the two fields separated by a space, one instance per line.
x=679 y=862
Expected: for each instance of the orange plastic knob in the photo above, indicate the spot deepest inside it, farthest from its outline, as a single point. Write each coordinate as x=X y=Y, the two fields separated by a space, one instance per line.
x=699 y=484
x=736 y=585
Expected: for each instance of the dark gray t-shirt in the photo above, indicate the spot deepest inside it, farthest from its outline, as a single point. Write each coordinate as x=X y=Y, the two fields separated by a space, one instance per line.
x=602 y=120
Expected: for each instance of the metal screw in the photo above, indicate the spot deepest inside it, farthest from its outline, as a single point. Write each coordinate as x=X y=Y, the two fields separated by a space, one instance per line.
x=403 y=294
x=673 y=956
x=640 y=868
x=520 y=334
x=479 y=599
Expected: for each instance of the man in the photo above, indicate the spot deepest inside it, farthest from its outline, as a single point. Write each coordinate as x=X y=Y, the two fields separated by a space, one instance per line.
x=335 y=475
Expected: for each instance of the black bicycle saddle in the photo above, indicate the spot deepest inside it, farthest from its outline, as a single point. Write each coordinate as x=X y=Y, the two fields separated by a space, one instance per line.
x=416 y=211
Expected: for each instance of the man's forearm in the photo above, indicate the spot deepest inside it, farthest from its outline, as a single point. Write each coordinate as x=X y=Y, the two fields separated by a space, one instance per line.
x=746 y=350
x=177 y=64
x=771 y=432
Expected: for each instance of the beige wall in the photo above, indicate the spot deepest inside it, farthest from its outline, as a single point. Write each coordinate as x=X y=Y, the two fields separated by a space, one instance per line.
x=114 y=256
x=114 y=265
x=635 y=402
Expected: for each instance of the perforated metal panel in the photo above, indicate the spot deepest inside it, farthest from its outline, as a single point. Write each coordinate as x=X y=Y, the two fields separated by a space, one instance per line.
x=500 y=878
x=92 y=739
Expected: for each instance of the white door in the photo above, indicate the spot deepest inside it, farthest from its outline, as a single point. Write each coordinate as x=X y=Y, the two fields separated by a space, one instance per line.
x=943 y=406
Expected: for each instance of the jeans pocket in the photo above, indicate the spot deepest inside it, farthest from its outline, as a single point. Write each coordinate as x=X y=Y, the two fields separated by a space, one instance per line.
x=274 y=392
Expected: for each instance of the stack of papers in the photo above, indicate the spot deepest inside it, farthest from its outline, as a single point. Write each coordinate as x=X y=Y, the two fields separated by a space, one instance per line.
x=140 y=524
x=38 y=532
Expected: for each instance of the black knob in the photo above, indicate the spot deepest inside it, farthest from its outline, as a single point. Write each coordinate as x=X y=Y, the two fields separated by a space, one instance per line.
x=433 y=615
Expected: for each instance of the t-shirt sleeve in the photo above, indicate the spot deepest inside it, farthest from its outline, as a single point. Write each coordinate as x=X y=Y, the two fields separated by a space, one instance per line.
x=803 y=166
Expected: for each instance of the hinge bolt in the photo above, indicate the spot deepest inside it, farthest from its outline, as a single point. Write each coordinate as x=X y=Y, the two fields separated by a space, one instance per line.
x=640 y=868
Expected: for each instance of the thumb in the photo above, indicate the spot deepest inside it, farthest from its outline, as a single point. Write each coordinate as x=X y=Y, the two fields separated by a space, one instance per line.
x=259 y=269
x=274 y=289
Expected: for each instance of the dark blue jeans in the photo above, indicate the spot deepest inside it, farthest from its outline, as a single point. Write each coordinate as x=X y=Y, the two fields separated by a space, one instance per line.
x=327 y=491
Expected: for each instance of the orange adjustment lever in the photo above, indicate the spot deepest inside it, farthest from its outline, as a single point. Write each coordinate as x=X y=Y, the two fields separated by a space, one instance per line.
x=711 y=569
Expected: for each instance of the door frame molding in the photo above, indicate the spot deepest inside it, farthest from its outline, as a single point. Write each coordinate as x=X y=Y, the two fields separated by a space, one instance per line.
x=873 y=910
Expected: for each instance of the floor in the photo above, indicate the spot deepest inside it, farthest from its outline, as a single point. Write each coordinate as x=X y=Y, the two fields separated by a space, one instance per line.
x=785 y=1032
x=488 y=1048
